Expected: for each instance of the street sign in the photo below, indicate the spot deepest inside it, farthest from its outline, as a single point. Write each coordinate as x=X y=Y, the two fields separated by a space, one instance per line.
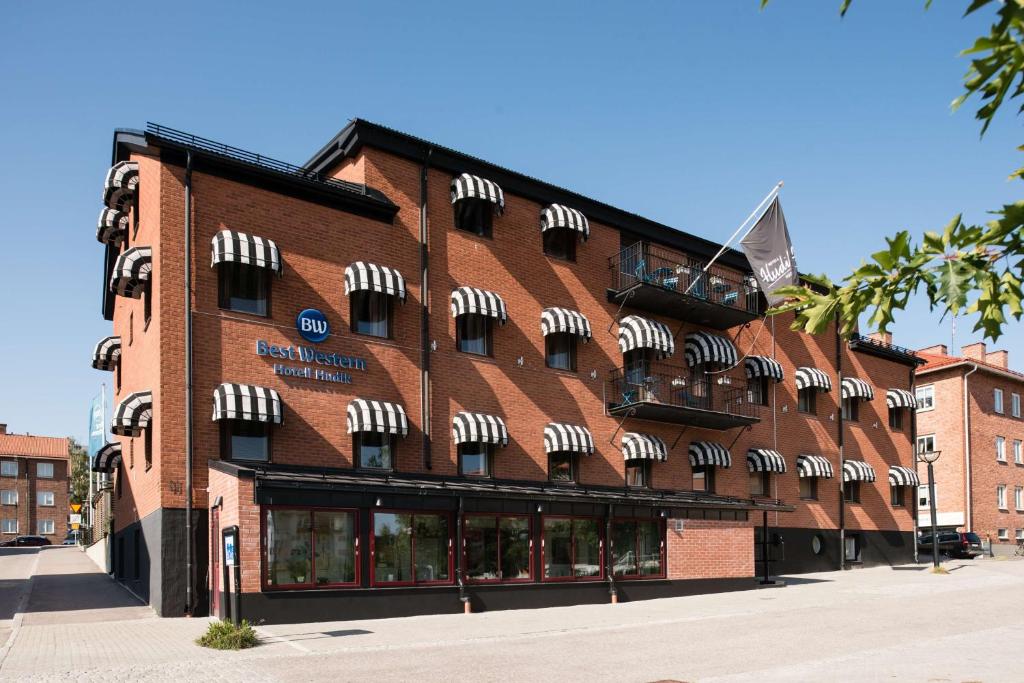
x=75 y=507
x=74 y=527
x=76 y=519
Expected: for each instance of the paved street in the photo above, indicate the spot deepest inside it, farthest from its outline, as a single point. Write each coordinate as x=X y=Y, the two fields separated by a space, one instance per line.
x=873 y=624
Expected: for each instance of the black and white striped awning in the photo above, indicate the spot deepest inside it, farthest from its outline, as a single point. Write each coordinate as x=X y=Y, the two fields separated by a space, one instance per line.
x=765 y=460
x=903 y=476
x=479 y=428
x=807 y=378
x=763 y=366
x=636 y=332
x=111 y=226
x=857 y=388
x=702 y=347
x=559 y=216
x=107 y=457
x=554 y=320
x=362 y=276
x=107 y=353
x=472 y=300
x=637 y=446
x=376 y=416
x=133 y=414
x=560 y=438
x=120 y=185
x=131 y=272
x=468 y=186
x=246 y=402
x=704 y=453
x=814 y=466
x=858 y=470
x=900 y=398
x=230 y=246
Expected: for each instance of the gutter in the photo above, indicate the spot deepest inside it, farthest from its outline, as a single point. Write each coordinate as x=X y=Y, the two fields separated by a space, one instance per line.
x=425 y=317
x=913 y=451
x=967 y=451
x=842 y=458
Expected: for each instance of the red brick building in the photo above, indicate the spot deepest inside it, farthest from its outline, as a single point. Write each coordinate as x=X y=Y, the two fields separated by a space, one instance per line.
x=33 y=486
x=400 y=379
x=970 y=410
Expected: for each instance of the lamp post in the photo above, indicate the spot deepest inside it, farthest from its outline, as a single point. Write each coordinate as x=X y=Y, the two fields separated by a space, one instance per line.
x=930 y=457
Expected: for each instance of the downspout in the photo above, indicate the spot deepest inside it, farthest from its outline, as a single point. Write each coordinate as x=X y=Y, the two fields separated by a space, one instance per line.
x=842 y=489
x=613 y=592
x=467 y=606
x=189 y=597
x=425 y=317
x=967 y=450
x=913 y=448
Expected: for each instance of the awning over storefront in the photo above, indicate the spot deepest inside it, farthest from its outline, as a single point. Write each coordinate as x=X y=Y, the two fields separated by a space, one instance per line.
x=230 y=246
x=765 y=460
x=702 y=347
x=763 y=366
x=479 y=428
x=133 y=414
x=900 y=398
x=376 y=416
x=468 y=186
x=247 y=402
x=857 y=388
x=636 y=332
x=559 y=216
x=560 y=438
x=120 y=185
x=361 y=276
x=111 y=226
x=808 y=378
x=131 y=272
x=107 y=457
x=903 y=476
x=704 y=453
x=638 y=446
x=472 y=300
x=107 y=353
x=814 y=466
x=553 y=320
x=858 y=470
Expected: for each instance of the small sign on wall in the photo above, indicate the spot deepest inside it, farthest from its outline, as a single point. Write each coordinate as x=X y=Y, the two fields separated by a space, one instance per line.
x=231 y=547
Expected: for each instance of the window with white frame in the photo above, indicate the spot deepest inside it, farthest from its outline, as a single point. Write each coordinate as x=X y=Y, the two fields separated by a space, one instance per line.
x=1000 y=449
x=1015 y=405
x=44 y=470
x=45 y=526
x=922 y=495
x=1004 y=534
x=997 y=400
x=8 y=497
x=1020 y=534
x=1018 y=498
x=925 y=397
x=1001 y=496
x=45 y=498
x=10 y=526
x=8 y=468
x=926 y=443
x=1018 y=451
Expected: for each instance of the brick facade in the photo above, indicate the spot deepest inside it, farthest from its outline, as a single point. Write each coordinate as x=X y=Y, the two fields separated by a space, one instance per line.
x=32 y=490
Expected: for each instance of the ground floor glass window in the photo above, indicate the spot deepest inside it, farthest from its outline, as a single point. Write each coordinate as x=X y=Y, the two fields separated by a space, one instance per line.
x=572 y=548
x=308 y=548
x=636 y=548
x=411 y=548
x=497 y=548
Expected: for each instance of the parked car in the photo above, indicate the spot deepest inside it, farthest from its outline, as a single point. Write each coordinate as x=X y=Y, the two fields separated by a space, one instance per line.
x=953 y=543
x=70 y=539
x=26 y=542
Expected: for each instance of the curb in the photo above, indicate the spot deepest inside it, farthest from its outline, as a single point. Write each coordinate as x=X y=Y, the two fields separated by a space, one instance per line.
x=19 y=611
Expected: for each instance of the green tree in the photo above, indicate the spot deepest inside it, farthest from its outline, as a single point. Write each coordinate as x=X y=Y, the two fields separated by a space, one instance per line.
x=963 y=269
x=79 y=459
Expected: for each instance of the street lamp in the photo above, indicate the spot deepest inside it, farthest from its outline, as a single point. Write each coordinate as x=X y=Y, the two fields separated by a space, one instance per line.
x=930 y=457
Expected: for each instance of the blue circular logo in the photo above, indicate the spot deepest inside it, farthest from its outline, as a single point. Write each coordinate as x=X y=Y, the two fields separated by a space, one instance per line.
x=312 y=325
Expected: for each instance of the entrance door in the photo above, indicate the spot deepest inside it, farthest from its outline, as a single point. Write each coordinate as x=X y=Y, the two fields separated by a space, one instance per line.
x=215 y=562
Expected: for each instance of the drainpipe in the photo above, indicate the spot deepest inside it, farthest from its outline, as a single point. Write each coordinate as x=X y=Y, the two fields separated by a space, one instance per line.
x=913 y=449
x=842 y=491
x=967 y=450
x=612 y=591
x=189 y=597
x=425 y=317
x=467 y=606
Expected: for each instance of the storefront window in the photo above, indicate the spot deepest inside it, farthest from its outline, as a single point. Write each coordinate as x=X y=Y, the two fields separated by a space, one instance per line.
x=243 y=288
x=636 y=547
x=335 y=547
x=411 y=548
x=572 y=549
x=497 y=548
x=371 y=313
x=288 y=548
x=308 y=548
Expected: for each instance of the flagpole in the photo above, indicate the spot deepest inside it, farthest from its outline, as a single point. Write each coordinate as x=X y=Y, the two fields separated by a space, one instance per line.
x=757 y=210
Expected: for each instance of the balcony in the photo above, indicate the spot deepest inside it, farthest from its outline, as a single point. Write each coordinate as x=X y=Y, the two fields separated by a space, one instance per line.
x=658 y=280
x=668 y=394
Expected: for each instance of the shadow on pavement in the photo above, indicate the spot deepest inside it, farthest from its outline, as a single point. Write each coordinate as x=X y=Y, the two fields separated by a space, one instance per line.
x=801 y=580
x=318 y=635
x=68 y=592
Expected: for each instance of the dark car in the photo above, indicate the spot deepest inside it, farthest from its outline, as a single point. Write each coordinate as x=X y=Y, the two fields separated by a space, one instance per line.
x=26 y=542
x=964 y=544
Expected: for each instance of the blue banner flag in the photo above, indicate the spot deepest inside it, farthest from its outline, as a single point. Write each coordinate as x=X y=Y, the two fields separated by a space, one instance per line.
x=97 y=430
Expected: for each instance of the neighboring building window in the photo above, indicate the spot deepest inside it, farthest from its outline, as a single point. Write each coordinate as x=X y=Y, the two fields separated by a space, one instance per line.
x=560 y=243
x=1015 y=405
x=851 y=409
x=8 y=468
x=926 y=443
x=1001 y=496
x=1020 y=534
x=371 y=313
x=410 y=548
x=757 y=391
x=561 y=467
x=925 y=397
x=851 y=491
x=1000 y=449
x=10 y=526
x=636 y=546
x=8 y=497
x=572 y=549
x=374 y=450
x=704 y=478
x=311 y=548
x=1018 y=498
x=638 y=474
x=44 y=470
x=243 y=288
x=896 y=419
x=1018 y=452
x=245 y=440
x=475 y=216
x=45 y=527
x=809 y=488
x=922 y=496
x=760 y=483
x=1004 y=534
x=473 y=334
x=475 y=459
x=997 y=400
x=806 y=400
x=898 y=496
x=45 y=499
x=560 y=350
x=497 y=548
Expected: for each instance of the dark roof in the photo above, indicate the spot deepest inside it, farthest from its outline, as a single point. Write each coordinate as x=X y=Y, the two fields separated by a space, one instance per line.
x=360 y=132
x=881 y=349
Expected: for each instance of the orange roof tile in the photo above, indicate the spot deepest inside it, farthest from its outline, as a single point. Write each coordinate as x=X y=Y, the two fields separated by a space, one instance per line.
x=34 y=446
x=935 y=361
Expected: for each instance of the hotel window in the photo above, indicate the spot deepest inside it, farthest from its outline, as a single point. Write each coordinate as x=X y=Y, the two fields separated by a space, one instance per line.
x=997 y=400
x=760 y=483
x=572 y=549
x=131 y=453
x=1004 y=534
x=45 y=527
x=475 y=215
x=476 y=459
x=147 y=447
x=851 y=550
x=757 y=391
x=8 y=468
x=44 y=470
x=410 y=548
x=473 y=334
x=10 y=526
x=704 y=478
x=925 y=397
x=1018 y=498
x=926 y=444
x=371 y=313
x=560 y=243
x=896 y=419
x=1015 y=405
x=638 y=474
x=131 y=327
x=246 y=440
x=374 y=450
x=560 y=350
x=637 y=366
x=898 y=496
x=243 y=287
x=8 y=497
x=851 y=409
x=806 y=400
x=147 y=305
x=562 y=467
x=1000 y=449
x=1001 y=496
x=1018 y=455
x=851 y=491
x=497 y=548
x=809 y=488
x=44 y=499
x=311 y=548
x=636 y=547
x=120 y=479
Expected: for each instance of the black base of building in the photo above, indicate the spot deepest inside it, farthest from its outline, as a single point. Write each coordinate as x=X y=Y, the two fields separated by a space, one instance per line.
x=800 y=554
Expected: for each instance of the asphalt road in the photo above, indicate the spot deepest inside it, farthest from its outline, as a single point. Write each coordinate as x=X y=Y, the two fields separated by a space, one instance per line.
x=16 y=568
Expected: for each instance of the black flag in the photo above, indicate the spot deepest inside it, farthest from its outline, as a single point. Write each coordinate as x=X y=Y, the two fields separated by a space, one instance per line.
x=770 y=252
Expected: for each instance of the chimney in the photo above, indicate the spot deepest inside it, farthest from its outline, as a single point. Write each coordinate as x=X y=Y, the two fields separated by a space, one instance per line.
x=998 y=358
x=975 y=351
x=3 y=427
x=937 y=350
x=884 y=337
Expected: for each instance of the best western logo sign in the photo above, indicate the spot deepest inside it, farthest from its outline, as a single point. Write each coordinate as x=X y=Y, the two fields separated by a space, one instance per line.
x=313 y=326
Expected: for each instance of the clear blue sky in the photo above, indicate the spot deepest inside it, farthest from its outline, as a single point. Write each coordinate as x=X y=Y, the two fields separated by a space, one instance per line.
x=684 y=112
